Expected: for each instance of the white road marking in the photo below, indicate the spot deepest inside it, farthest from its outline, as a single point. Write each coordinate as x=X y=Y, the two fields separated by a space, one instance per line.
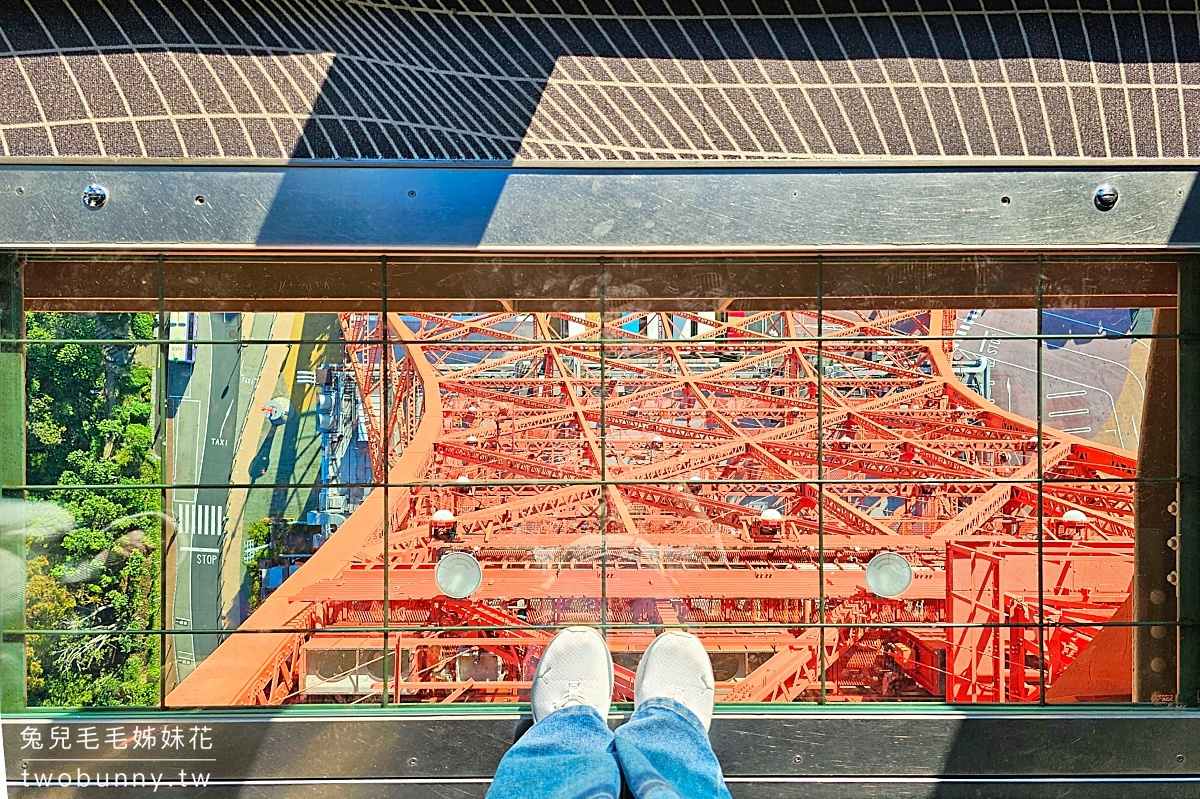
x=1141 y=386
x=965 y=326
x=1111 y=400
x=1064 y=394
x=225 y=421
x=197 y=520
x=1071 y=412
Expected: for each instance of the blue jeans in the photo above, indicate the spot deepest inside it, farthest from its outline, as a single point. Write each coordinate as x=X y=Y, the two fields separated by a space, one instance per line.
x=663 y=752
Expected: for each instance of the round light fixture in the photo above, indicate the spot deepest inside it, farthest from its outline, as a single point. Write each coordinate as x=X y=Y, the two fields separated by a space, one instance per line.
x=889 y=575
x=458 y=575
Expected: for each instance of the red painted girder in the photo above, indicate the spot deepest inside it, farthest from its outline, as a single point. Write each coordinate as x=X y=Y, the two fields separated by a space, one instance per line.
x=927 y=452
x=787 y=673
x=1054 y=505
x=889 y=468
x=618 y=639
x=658 y=496
x=621 y=583
x=789 y=543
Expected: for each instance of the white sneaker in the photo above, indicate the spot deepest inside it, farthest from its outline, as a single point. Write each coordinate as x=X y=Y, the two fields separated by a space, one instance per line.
x=575 y=669
x=676 y=666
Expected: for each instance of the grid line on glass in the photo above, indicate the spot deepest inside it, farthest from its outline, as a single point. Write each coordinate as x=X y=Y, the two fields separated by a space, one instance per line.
x=886 y=463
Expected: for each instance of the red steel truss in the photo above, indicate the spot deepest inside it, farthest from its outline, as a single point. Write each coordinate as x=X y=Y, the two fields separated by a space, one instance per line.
x=624 y=484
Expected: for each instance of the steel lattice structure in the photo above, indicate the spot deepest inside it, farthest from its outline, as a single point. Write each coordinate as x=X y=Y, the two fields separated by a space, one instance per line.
x=624 y=483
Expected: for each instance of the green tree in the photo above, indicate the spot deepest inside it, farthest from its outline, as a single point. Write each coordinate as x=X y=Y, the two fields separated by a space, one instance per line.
x=89 y=422
x=259 y=534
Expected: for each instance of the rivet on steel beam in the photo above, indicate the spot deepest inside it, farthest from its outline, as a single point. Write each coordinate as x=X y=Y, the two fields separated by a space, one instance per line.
x=95 y=196
x=1106 y=197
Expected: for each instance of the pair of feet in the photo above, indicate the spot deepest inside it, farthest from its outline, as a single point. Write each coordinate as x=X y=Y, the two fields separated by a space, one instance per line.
x=577 y=669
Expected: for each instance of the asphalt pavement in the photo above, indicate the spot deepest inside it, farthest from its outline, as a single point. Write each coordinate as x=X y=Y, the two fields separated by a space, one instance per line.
x=1083 y=377
x=204 y=398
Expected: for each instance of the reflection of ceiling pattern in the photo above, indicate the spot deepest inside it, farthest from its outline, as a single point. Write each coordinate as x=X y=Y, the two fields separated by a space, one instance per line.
x=267 y=79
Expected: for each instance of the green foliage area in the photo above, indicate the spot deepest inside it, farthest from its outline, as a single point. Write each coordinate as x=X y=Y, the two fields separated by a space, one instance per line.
x=260 y=534
x=89 y=421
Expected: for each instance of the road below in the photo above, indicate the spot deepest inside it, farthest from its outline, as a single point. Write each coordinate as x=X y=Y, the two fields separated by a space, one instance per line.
x=1091 y=387
x=204 y=399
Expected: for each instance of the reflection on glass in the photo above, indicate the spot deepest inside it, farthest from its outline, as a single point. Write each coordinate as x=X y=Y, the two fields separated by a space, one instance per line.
x=92 y=568
x=740 y=469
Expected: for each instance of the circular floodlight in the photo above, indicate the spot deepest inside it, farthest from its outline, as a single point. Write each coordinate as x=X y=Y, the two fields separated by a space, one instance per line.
x=1075 y=516
x=443 y=516
x=462 y=479
x=695 y=478
x=771 y=515
x=472 y=440
x=458 y=575
x=657 y=440
x=889 y=575
x=633 y=409
x=472 y=409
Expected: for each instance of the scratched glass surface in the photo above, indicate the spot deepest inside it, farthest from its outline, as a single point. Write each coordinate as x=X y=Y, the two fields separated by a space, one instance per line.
x=856 y=479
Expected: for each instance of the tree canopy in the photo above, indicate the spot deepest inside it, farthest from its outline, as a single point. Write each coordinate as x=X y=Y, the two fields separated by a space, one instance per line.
x=90 y=426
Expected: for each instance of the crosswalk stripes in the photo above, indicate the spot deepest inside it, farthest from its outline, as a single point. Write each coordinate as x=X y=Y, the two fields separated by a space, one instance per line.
x=198 y=520
x=964 y=326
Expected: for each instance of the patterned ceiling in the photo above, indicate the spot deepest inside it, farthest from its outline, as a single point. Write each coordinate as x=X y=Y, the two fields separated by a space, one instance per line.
x=627 y=80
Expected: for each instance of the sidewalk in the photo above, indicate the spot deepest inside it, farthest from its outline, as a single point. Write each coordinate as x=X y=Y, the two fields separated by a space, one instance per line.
x=231 y=557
